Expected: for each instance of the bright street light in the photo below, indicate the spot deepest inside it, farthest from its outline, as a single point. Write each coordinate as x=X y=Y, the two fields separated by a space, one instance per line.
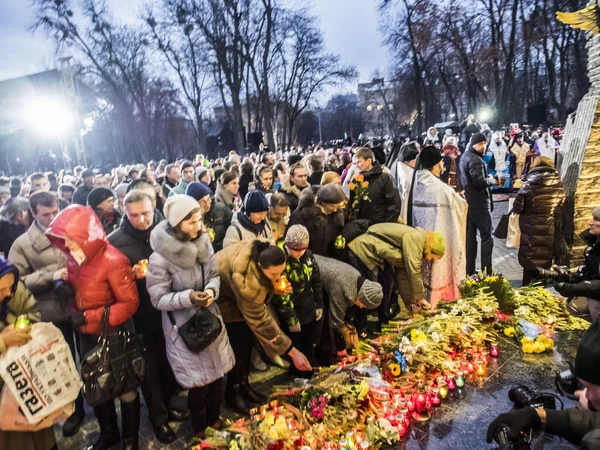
x=48 y=116
x=485 y=114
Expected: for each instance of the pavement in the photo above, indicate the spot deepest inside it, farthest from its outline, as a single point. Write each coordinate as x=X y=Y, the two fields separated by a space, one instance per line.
x=504 y=262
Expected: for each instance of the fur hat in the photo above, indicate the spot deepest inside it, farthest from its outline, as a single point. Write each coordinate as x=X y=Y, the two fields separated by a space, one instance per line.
x=178 y=207
x=331 y=194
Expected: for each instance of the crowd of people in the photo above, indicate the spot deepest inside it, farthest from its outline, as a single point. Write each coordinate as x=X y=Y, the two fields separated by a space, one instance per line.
x=290 y=252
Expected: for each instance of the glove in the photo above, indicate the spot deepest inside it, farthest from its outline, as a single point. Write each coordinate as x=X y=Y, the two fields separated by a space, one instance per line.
x=319 y=314
x=492 y=180
x=76 y=319
x=295 y=328
x=518 y=420
x=563 y=289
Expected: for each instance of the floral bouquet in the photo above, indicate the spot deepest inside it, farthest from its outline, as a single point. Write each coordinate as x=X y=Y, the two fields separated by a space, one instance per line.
x=494 y=284
x=359 y=187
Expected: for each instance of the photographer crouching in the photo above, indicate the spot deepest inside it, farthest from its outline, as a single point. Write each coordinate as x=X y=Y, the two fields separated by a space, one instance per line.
x=585 y=281
x=579 y=426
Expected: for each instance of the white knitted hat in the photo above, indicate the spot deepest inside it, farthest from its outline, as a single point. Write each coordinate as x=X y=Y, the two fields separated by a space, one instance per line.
x=177 y=207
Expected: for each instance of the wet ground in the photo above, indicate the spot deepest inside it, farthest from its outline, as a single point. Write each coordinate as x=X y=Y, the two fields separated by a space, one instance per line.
x=459 y=423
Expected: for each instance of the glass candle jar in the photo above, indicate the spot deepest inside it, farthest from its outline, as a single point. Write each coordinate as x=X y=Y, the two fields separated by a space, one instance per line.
x=460 y=379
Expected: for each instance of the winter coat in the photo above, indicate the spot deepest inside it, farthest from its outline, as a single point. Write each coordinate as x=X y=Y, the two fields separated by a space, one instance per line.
x=473 y=180
x=306 y=297
x=81 y=194
x=385 y=199
x=105 y=277
x=21 y=303
x=466 y=133
x=340 y=282
x=245 y=292
x=291 y=192
x=9 y=232
x=179 y=189
x=218 y=218
x=323 y=229
x=580 y=427
x=539 y=203
x=236 y=232
x=406 y=253
x=135 y=245
x=36 y=260
x=245 y=181
x=315 y=178
x=176 y=269
x=167 y=187
x=590 y=271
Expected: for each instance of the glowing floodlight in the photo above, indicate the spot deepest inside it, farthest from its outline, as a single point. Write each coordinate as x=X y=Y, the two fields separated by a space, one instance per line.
x=485 y=114
x=88 y=122
x=48 y=116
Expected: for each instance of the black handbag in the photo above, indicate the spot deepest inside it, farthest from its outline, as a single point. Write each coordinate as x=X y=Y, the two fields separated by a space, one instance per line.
x=117 y=365
x=501 y=230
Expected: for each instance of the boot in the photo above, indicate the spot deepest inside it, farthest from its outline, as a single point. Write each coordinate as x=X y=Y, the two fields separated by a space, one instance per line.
x=109 y=430
x=250 y=394
x=235 y=400
x=256 y=360
x=73 y=423
x=130 y=420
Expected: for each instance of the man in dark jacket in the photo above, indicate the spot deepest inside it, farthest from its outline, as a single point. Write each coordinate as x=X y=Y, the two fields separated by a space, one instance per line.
x=171 y=179
x=102 y=201
x=296 y=183
x=132 y=238
x=316 y=165
x=81 y=193
x=579 y=426
x=470 y=128
x=589 y=273
x=384 y=200
x=475 y=182
x=217 y=216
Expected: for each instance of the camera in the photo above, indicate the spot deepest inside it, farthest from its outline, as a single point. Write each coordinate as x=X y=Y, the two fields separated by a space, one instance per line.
x=505 y=443
x=522 y=397
x=561 y=274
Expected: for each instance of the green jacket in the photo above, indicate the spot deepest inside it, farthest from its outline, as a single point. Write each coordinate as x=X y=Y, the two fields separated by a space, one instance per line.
x=179 y=189
x=403 y=250
x=306 y=297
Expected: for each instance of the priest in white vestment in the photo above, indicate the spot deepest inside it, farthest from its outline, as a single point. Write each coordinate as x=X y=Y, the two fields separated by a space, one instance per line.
x=437 y=207
x=401 y=169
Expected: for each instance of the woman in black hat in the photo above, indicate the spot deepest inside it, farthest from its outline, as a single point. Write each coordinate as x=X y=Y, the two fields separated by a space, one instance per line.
x=102 y=201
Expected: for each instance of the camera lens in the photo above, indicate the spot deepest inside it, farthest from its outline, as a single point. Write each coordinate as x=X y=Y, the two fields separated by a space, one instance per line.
x=521 y=396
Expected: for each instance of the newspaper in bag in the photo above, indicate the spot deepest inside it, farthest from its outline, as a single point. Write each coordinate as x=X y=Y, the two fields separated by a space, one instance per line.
x=41 y=374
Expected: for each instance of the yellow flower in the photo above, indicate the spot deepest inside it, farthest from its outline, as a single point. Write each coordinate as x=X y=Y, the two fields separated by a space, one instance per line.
x=359 y=178
x=395 y=369
x=492 y=279
x=417 y=336
x=528 y=348
x=539 y=347
x=351 y=186
x=364 y=390
x=510 y=331
x=526 y=340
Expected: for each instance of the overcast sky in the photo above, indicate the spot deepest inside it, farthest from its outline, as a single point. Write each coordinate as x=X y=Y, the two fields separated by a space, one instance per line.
x=349 y=26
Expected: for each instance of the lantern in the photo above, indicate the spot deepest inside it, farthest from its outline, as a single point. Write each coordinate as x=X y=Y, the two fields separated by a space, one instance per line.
x=282 y=283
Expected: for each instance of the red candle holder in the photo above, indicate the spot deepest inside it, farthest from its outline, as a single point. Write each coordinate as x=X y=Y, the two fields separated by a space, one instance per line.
x=421 y=412
x=494 y=350
x=435 y=396
x=450 y=382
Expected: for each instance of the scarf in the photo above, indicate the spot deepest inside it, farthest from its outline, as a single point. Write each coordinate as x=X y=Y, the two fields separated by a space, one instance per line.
x=227 y=197
x=244 y=220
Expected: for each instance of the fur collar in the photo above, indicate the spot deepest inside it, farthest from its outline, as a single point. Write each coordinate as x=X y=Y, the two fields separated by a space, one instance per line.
x=287 y=186
x=182 y=254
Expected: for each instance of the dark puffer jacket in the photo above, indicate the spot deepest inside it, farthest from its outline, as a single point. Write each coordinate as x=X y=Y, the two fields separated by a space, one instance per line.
x=105 y=277
x=135 y=245
x=323 y=229
x=219 y=219
x=539 y=202
x=385 y=199
x=473 y=179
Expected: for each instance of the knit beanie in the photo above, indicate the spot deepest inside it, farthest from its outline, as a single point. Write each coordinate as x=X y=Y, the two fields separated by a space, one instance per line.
x=370 y=294
x=429 y=157
x=198 y=190
x=587 y=359
x=293 y=159
x=98 y=195
x=331 y=194
x=297 y=237
x=255 y=202
x=477 y=138
x=178 y=207
x=596 y=213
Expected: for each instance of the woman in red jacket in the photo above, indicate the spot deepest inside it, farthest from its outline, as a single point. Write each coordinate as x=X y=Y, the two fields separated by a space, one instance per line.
x=100 y=276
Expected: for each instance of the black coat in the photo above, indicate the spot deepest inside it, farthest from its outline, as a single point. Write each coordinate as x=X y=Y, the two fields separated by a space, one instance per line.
x=135 y=245
x=9 y=232
x=539 y=203
x=590 y=272
x=219 y=219
x=322 y=229
x=580 y=427
x=473 y=180
x=315 y=178
x=245 y=181
x=292 y=193
x=385 y=200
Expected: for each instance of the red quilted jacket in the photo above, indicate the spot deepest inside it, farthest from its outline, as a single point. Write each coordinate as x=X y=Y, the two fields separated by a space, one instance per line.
x=104 y=278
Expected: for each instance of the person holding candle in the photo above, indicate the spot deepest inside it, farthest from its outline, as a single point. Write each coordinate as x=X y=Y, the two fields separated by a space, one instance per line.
x=249 y=271
x=132 y=238
x=251 y=222
x=100 y=276
x=302 y=309
x=182 y=278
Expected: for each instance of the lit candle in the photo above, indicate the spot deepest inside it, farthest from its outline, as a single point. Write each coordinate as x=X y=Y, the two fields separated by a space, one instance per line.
x=435 y=396
x=470 y=367
x=143 y=265
x=460 y=379
x=282 y=283
x=481 y=370
x=494 y=350
x=410 y=405
x=451 y=383
x=443 y=390
x=22 y=322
